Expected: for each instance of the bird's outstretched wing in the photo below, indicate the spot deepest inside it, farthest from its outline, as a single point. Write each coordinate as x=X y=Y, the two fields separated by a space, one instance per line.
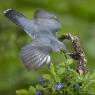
x=35 y=56
x=43 y=14
x=48 y=20
x=20 y=20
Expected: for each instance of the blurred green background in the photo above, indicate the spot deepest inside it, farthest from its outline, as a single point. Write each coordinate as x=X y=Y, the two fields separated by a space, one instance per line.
x=76 y=17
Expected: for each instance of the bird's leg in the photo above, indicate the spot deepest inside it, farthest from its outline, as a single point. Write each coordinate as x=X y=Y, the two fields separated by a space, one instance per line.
x=65 y=54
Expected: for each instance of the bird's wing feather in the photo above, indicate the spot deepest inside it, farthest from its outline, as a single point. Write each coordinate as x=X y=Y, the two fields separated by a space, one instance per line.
x=48 y=20
x=21 y=21
x=34 y=56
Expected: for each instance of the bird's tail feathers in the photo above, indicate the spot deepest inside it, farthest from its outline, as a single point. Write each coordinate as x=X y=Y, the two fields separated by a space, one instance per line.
x=34 y=56
x=15 y=17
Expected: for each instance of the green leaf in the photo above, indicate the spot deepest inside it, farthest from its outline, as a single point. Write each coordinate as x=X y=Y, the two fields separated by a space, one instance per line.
x=39 y=87
x=47 y=76
x=69 y=61
x=22 y=92
x=32 y=91
x=52 y=68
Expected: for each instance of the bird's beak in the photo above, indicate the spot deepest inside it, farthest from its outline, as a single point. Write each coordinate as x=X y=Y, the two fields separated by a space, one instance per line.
x=62 y=50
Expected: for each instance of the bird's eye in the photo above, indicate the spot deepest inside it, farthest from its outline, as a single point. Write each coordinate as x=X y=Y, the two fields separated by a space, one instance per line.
x=54 y=17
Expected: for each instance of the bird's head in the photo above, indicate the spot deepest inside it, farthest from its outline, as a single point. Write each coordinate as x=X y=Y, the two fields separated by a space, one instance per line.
x=58 y=46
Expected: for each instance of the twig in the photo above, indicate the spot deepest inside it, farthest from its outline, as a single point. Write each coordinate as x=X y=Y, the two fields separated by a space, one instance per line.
x=78 y=53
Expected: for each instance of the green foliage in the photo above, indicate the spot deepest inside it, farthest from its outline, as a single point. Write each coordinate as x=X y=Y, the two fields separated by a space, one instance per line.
x=31 y=91
x=76 y=17
x=63 y=80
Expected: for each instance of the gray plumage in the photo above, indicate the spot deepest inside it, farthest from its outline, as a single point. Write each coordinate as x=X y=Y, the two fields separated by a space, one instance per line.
x=43 y=30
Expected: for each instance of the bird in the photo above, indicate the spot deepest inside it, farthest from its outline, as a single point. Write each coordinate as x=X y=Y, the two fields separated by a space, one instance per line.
x=42 y=29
